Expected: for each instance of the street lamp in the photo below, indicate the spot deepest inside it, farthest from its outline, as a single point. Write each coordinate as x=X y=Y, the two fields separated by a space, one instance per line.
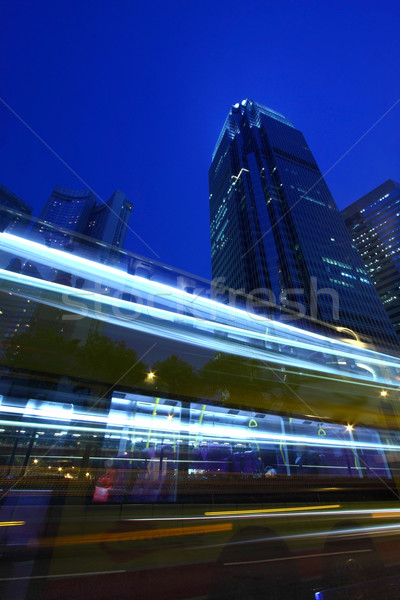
x=357 y=340
x=150 y=376
x=357 y=337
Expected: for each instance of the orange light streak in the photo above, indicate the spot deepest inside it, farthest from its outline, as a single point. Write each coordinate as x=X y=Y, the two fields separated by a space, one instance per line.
x=146 y=534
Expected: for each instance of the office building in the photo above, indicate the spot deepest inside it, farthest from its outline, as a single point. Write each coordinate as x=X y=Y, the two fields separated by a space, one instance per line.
x=14 y=212
x=15 y=218
x=79 y=211
x=374 y=224
x=276 y=230
x=73 y=220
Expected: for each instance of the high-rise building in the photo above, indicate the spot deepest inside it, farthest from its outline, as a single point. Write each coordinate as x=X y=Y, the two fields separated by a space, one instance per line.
x=374 y=224
x=14 y=212
x=276 y=230
x=72 y=220
x=15 y=218
x=109 y=222
x=78 y=211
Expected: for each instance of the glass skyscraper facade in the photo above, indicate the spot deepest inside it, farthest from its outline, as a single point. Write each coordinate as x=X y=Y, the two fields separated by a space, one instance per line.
x=79 y=211
x=374 y=225
x=276 y=230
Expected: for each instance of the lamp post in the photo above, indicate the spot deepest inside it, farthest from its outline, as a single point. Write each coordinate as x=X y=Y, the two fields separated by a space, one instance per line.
x=356 y=336
x=150 y=377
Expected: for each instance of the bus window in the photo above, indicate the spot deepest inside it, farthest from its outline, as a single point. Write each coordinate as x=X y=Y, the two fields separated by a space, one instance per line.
x=323 y=449
x=232 y=440
x=147 y=438
x=372 y=458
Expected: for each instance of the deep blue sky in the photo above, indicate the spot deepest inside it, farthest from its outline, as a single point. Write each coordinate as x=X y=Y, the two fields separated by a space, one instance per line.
x=133 y=95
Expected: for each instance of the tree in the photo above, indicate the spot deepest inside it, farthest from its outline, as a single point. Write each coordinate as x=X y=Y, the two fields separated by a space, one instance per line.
x=176 y=376
x=42 y=350
x=109 y=361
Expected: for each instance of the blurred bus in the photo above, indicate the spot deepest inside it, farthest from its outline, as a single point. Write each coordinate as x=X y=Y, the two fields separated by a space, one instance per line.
x=156 y=442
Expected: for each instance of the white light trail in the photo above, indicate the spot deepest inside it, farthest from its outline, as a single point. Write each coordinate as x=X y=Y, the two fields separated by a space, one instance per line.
x=213 y=314
x=171 y=325
x=160 y=426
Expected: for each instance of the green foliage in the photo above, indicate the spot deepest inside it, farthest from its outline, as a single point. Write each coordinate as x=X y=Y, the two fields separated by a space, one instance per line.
x=43 y=350
x=176 y=376
x=103 y=359
x=98 y=359
x=229 y=372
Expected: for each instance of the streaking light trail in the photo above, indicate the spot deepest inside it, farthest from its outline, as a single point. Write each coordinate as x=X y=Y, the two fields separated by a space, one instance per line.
x=79 y=422
x=217 y=326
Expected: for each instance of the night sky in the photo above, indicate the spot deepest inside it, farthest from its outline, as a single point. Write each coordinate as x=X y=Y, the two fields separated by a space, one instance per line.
x=133 y=95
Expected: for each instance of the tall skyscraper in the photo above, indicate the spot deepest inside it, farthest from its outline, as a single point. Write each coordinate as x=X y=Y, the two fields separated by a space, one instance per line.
x=71 y=220
x=374 y=224
x=78 y=211
x=276 y=228
x=14 y=212
x=109 y=222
